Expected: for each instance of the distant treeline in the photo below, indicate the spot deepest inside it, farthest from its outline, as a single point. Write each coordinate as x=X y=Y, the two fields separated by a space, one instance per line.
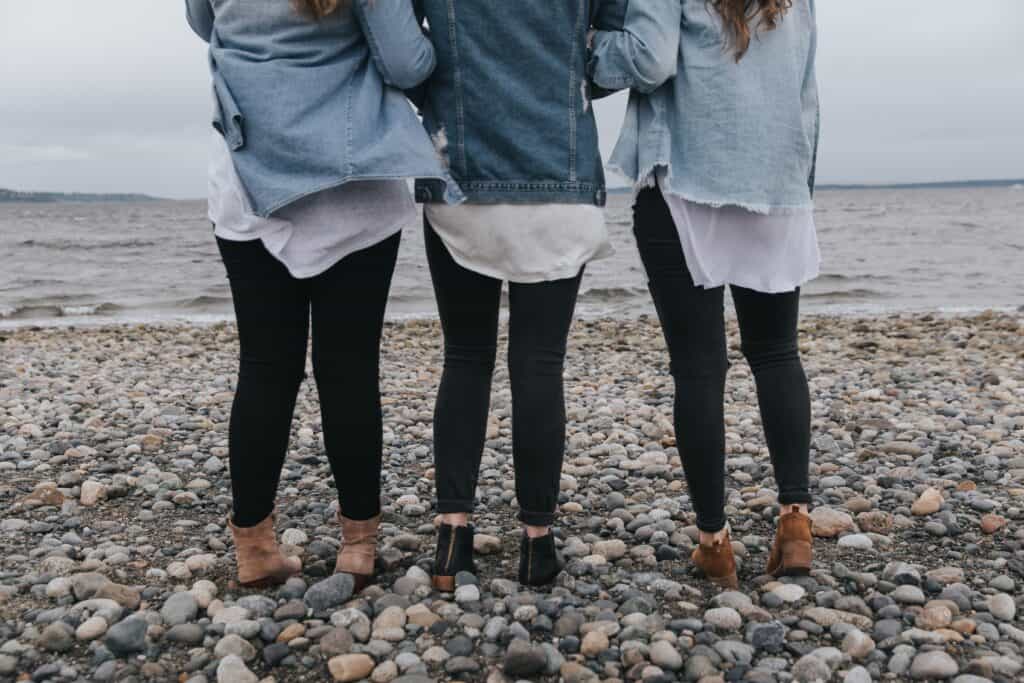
x=955 y=184
x=51 y=197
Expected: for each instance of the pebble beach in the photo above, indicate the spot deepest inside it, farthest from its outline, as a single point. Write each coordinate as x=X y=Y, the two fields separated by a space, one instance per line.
x=117 y=564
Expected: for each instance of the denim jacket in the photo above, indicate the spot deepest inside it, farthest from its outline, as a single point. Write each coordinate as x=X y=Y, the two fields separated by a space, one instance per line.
x=307 y=105
x=741 y=134
x=508 y=105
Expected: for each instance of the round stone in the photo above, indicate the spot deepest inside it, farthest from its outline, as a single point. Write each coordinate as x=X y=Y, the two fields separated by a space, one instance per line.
x=353 y=667
x=665 y=655
x=934 y=665
x=92 y=628
x=723 y=618
x=1002 y=607
x=789 y=592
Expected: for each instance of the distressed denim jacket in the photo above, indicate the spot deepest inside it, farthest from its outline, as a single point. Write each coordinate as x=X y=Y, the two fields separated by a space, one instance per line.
x=308 y=105
x=741 y=134
x=508 y=105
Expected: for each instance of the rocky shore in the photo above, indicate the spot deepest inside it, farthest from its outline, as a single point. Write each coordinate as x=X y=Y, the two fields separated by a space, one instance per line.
x=117 y=565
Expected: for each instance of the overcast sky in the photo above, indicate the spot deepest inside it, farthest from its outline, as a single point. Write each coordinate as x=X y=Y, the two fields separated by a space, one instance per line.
x=112 y=95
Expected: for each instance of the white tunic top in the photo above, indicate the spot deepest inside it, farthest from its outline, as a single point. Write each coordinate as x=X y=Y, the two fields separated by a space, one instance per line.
x=523 y=243
x=316 y=232
x=770 y=253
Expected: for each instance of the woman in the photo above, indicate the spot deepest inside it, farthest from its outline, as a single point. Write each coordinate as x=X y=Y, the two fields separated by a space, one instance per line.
x=313 y=143
x=724 y=154
x=509 y=112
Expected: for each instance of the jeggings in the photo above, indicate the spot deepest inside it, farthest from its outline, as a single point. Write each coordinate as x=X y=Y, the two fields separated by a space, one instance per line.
x=273 y=309
x=693 y=322
x=539 y=319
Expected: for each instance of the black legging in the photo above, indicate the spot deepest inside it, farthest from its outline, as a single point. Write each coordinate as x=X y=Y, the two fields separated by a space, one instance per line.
x=539 y=319
x=273 y=309
x=693 y=321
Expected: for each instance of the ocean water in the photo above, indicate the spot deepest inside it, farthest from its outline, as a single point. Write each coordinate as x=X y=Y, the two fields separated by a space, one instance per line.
x=884 y=250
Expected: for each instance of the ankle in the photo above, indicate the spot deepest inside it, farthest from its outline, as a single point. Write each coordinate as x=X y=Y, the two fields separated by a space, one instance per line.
x=710 y=539
x=536 y=531
x=789 y=508
x=457 y=519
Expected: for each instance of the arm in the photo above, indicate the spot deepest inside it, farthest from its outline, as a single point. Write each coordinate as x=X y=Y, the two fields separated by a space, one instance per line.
x=403 y=55
x=636 y=45
x=200 y=17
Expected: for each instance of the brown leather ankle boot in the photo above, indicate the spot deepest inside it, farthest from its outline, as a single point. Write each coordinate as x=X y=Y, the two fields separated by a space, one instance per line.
x=260 y=561
x=792 y=549
x=358 y=549
x=717 y=562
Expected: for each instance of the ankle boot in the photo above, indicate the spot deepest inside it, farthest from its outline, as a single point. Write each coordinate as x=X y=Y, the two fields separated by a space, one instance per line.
x=539 y=561
x=260 y=562
x=717 y=562
x=792 y=550
x=358 y=551
x=454 y=555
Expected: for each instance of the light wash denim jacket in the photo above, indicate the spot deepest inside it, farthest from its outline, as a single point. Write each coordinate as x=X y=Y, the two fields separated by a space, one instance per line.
x=307 y=105
x=732 y=134
x=508 y=105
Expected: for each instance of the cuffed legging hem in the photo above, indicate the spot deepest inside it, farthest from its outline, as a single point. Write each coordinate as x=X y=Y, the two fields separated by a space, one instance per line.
x=531 y=518
x=360 y=514
x=795 y=498
x=448 y=507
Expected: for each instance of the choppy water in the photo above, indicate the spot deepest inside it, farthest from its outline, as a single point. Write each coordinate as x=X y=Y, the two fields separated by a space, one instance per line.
x=948 y=250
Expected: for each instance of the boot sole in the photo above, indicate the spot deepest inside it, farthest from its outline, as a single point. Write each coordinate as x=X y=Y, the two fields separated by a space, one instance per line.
x=445 y=584
x=361 y=582
x=731 y=582
x=796 y=570
x=268 y=582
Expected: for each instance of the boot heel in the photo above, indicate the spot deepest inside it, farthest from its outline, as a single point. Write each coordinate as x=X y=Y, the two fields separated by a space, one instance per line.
x=454 y=554
x=539 y=561
x=358 y=553
x=444 y=584
x=796 y=558
x=260 y=561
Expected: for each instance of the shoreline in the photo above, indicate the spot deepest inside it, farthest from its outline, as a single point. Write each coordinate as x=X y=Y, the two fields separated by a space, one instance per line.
x=92 y=322
x=115 y=487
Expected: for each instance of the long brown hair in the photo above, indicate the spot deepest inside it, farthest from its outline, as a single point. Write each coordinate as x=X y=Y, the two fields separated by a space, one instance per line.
x=745 y=17
x=318 y=9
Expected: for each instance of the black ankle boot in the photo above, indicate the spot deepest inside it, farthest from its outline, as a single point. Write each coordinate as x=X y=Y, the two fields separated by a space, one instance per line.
x=539 y=562
x=454 y=555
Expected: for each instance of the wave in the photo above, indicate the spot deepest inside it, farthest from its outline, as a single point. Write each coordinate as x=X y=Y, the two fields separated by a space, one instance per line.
x=203 y=301
x=69 y=244
x=611 y=294
x=32 y=311
x=839 y=295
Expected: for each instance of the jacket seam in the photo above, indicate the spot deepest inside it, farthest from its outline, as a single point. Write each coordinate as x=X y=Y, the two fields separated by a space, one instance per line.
x=573 y=124
x=460 y=117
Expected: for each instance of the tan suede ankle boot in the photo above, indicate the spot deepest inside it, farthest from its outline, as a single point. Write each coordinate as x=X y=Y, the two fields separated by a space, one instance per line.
x=358 y=551
x=717 y=562
x=792 y=550
x=260 y=561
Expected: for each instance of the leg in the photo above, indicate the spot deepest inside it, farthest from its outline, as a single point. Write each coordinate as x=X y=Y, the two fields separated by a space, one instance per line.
x=468 y=304
x=272 y=309
x=541 y=315
x=348 y=303
x=768 y=327
x=693 y=322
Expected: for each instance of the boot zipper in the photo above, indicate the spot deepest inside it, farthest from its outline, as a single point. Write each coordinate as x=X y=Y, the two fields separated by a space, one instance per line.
x=529 y=564
x=451 y=551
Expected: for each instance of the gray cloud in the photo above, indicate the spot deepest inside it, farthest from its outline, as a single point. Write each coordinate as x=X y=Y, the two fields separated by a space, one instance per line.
x=113 y=95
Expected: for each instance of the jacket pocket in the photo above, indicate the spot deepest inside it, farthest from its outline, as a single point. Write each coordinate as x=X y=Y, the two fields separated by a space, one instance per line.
x=227 y=117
